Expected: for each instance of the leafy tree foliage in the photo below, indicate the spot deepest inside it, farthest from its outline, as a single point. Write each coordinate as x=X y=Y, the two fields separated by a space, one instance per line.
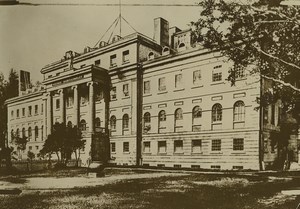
x=63 y=141
x=261 y=38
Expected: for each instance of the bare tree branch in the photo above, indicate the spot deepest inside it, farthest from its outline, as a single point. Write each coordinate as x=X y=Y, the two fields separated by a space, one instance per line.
x=282 y=83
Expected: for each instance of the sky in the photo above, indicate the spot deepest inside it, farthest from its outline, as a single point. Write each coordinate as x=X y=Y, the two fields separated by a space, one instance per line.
x=34 y=36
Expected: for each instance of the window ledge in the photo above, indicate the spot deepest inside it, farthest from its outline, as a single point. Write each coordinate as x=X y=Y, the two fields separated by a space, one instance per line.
x=197 y=153
x=113 y=153
x=241 y=79
x=217 y=83
x=238 y=152
x=126 y=97
x=196 y=86
x=178 y=153
x=216 y=152
x=126 y=62
x=179 y=89
x=162 y=153
x=113 y=100
x=147 y=153
x=162 y=92
x=113 y=66
x=127 y=153
x=147 y=95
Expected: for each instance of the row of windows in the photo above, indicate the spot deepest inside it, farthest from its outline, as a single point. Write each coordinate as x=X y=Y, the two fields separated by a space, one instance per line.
x=29 y=133
x=216 y=117
x=29 y=111
x=113 y=59
x=216 y=76
x=196 y=146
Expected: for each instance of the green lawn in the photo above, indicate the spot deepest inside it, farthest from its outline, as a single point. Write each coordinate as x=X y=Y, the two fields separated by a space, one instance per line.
x=184 y=192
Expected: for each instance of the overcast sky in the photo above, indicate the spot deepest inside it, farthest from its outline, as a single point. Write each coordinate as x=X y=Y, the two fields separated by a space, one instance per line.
x=33 y=36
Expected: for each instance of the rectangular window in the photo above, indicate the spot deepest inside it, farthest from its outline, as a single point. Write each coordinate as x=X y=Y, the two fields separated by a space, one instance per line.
x=30 y=147
x=97 y=62
x=36 y=109
x=37 y=147
x=178 y=81
x=23 y=112
x=126 y=90
x=18 y=113
x=57 y=104
x=29 y=111
x=125 y=146
x=42 y=109
x=196 y=77
x=238 y=144
x=217 y=73
x=178 y=146
x=162 y=84
x=126 y=56
x=12 y=114
x=162 y=147
x=216 y=145
x=146 y=87
x=113 y=93
x=240 y=73
x=147 y=147
x=196 y=146
x=113 y=60
x=273 y=114
x=113 y=147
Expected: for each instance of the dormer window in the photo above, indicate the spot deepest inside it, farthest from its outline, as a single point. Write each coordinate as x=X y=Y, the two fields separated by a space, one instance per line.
x=181 y=47
x=166 y=50
x=150 y=56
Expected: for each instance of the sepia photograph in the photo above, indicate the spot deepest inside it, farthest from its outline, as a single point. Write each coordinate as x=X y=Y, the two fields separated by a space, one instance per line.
x=157 y=104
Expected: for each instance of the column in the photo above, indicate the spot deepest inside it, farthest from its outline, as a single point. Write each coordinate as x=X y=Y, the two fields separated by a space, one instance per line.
x=49 y=113
x=91 y=106
x=44 y=136
x=75 y=105
x=62 y=106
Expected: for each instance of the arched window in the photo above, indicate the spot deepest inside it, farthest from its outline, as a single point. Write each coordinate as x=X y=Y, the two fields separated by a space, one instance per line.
x=196 y=114
x=239 y=111
x=217 y=113
x=69 y=124
x=97 y=123
x=178 y=120
x=238 y=114
x=23 y=133
x=147 y=121
x=29 y=133
x=216 y=117
x=82 y=125
x=161 y=121
x=12 y=134
x=178 y=114
x=113 y=123
x=125 y=122
x=36 y=133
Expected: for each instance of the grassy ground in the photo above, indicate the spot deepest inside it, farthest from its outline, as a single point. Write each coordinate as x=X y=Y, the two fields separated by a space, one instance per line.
x=181 y=192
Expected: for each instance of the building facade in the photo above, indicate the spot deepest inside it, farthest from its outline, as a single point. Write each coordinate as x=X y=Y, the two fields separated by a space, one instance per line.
x=157 y=102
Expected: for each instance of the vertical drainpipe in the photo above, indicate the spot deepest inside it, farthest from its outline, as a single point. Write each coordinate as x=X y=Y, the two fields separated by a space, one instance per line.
x=261 y=117
x=139 y=104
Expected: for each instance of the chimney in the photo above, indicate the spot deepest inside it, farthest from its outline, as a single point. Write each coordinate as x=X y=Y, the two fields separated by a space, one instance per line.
x=161 y=31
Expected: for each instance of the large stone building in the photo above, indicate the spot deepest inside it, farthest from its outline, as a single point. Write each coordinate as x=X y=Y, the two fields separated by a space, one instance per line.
x=159 y=102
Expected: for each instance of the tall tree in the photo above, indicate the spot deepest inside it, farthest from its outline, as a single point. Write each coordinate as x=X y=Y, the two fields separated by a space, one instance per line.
x=262 y=38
